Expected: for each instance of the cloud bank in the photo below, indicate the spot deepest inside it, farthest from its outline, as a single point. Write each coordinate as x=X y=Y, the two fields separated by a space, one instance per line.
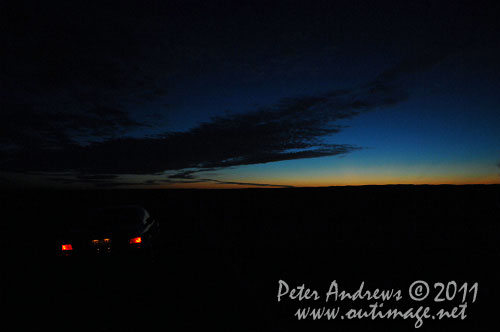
x=295 y=128
x=69 y=88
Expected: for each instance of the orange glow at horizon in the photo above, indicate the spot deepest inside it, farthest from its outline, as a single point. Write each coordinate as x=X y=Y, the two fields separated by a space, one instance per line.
x=343 y=181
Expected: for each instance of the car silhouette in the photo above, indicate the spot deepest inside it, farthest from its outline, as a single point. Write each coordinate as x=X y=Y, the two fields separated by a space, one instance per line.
x=113 y=231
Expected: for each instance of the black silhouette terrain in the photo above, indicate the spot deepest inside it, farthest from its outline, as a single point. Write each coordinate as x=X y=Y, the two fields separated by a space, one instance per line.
x=224 y=251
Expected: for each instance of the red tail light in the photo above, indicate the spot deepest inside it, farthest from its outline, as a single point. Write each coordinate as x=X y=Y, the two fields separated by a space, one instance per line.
x=135 y=240
x=67 y=247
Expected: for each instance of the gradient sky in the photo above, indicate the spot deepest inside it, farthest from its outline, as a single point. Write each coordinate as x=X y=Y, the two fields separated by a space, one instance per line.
x=197 y=94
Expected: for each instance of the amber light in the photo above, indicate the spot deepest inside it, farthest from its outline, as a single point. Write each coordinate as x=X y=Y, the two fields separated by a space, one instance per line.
x=135 y=240
x=67 y=247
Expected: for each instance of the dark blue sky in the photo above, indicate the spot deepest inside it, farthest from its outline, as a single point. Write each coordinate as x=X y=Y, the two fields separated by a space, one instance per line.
x=190 y=94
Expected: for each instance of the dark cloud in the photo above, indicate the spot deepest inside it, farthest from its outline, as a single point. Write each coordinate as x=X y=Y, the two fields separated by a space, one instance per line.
x=25 y=126
x=115 y=182
x=189 y=174
x=98 y=177
x=248 y=183
x=295 y=128
x=73 y=73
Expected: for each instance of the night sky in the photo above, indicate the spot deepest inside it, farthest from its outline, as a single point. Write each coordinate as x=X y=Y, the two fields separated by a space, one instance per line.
x=212 y=94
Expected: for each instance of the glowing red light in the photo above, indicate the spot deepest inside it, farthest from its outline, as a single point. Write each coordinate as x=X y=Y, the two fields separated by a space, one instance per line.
x=67 y=247
x=135 y=240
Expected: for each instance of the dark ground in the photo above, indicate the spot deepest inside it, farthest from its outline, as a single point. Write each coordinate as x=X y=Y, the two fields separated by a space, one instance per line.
x=225 y=250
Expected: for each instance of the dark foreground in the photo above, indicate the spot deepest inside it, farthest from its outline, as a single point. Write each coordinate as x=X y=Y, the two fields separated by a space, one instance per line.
x=224 y=252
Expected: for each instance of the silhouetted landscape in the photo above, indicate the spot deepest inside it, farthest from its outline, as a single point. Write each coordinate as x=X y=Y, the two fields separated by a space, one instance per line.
x=224 y=252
